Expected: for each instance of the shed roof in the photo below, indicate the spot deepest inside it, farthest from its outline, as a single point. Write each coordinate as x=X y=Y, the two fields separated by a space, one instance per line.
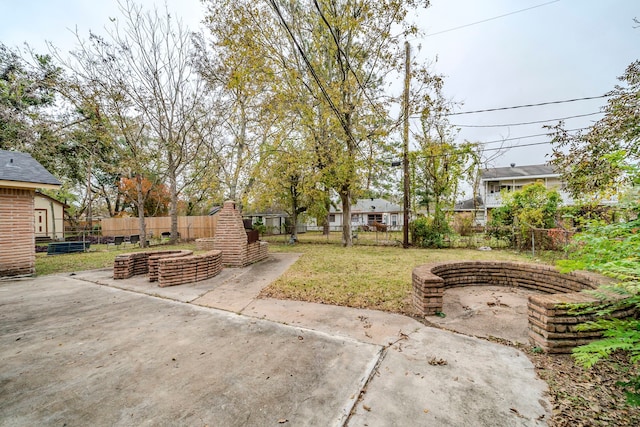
x=515 y=172
x=21 y=170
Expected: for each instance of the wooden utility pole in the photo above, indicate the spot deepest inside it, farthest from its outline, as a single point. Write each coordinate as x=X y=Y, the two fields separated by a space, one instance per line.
x=405 y=151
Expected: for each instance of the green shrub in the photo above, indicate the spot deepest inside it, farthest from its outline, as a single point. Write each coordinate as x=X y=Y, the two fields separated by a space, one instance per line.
x=613 y=250
x=430 y=232
x=463 y=223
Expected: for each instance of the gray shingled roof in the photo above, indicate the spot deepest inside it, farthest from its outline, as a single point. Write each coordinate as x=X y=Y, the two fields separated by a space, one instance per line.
x=469 y=204
x=518 y=172
x=21 y=167
x=369 y=206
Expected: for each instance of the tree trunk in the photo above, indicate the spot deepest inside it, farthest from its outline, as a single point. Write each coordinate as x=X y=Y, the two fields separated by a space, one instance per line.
x=345 y=197
x=173 y=206
x=326 y=224
x=142 y=227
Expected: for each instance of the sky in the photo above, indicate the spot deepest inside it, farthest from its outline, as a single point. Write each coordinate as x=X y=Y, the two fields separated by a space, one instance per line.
x=555 y=50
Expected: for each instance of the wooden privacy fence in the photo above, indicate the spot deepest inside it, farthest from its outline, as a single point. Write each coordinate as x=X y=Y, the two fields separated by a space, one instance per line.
x=189 y=227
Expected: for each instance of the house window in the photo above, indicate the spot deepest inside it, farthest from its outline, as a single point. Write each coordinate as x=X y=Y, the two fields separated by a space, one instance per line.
x=332 y=217
x=371 y=218
x=355 y=218
x=394 y=219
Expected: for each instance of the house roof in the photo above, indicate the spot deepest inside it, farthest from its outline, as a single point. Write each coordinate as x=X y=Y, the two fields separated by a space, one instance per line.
x=21 y=170
x=518 y=172
x=370 y=206
x=469 y=205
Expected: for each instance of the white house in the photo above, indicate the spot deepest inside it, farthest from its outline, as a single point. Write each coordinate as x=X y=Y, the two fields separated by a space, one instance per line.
x=513 y=178
x=365 y=212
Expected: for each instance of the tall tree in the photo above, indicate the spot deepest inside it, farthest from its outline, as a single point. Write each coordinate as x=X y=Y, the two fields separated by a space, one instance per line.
x=120 y=145
x=154 y=51
x=28 y=84
x=330 y=60
x=234 y=60
x=348 y=50
x=440 y=166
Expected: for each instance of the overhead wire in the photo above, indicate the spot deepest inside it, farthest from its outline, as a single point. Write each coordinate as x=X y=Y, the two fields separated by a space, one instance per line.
x=517 y=146
x=514 y=107
x=526 y=136
x=312 y=70
x=489 y=19
x=527 y=123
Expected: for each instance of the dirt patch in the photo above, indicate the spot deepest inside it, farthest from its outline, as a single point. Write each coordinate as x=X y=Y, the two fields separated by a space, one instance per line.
x=486 y=311
x=582 y=397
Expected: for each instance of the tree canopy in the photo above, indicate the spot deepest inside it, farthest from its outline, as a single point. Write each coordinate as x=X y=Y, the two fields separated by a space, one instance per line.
x=595 y=160
x=281 y=103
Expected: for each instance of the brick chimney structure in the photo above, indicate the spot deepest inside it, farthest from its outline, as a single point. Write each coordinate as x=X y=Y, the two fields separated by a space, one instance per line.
x=231 y=238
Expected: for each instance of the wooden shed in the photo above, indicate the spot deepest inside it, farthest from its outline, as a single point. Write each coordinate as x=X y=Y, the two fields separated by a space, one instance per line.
x=20 y=175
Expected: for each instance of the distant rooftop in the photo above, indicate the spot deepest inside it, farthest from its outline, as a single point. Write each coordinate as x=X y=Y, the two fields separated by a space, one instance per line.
x=371 y=205
x=519 y=172
x=21 y=168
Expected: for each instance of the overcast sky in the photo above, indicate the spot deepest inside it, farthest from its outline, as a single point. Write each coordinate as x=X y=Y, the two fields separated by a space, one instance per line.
x=554 y=51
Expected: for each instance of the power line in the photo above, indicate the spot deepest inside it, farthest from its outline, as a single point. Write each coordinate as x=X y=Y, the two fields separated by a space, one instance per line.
x=526 y=136
x=490 y=19
x=527 y=123
x=517 y=146
x=346 y=59
x=314 y=74
x=564 y=101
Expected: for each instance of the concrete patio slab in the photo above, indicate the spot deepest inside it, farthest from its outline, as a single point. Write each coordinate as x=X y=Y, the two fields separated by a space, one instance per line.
x=77 y=354
x=130 y=353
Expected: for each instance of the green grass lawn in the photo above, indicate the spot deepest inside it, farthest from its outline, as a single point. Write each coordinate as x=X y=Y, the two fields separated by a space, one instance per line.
x=363 y=276
x=375 y=277
x=100 y=256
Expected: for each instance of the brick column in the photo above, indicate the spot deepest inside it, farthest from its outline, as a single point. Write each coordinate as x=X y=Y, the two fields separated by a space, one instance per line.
x=17 y=232
x=428 y=290
x=230 y=237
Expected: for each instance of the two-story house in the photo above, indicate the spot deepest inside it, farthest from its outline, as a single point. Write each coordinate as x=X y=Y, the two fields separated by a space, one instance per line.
x=513 y=178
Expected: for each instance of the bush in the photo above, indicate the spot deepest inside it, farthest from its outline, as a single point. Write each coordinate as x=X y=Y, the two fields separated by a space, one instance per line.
x=258 y=225
x=533 y=206
x=612 y=250
x=430 y=232
x=463 y=223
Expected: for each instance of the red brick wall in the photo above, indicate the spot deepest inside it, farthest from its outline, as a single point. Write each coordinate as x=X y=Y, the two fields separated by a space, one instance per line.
x=231 y=239
x=17 y=241
x=128 y=265
x=189 y=269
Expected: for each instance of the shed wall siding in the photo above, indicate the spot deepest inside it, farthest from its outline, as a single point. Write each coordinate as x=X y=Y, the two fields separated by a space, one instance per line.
x=56 y=215
x=17 y=243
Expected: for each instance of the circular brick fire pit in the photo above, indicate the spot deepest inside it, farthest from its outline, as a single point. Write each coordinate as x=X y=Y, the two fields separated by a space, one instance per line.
x=551 y=326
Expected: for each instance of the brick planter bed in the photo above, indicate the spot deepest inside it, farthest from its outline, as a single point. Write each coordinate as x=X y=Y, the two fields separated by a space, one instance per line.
x=551 y=326
x=155 y=258
x=128 y=265
x=188 y=269
x=205 y=244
